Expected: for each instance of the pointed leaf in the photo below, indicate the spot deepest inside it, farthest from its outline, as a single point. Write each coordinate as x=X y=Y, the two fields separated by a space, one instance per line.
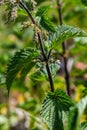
x=53 y=106
x=47 y=24
x=63 y=33
x=19 y=62
x=42 y=11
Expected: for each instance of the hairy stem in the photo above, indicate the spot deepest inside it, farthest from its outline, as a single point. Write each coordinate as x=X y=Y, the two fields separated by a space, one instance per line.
x=41 y=44
x=67 y=76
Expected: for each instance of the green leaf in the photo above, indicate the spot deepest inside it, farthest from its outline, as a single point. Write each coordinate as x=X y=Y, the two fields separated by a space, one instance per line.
x=72 y=119
x=22 y=59
x=54 y=67
x=26 y=69
x=38 y=76
x=75 y=114
x=44 y=20
x=82 y=106
x=83 y=126
x=63 y=33
x=41 y=73
x=47 y=24
x=84 y=2
x=53 y=106
x=42 y=11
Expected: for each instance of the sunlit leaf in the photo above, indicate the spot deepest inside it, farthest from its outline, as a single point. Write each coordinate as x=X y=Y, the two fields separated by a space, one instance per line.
x=63 y=33
x=53 y=106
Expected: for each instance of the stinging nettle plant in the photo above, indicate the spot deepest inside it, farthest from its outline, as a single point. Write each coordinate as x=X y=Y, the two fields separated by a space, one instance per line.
x=57 y=104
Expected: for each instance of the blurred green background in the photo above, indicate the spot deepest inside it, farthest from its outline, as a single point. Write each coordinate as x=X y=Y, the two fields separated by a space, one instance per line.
x=23 y=111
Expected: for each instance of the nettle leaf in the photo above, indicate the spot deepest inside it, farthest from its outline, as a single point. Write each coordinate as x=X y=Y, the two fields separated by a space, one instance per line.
x=22 y=59
x=75 y=114
x=53 y=106
x=84 y=2
x=63 y=33
x=54 y=67
x=41 y=73
x=42 y=11
x=83 y=126
x=26 y=69
x=38 y=76
x=47 y=24
x=72 y=119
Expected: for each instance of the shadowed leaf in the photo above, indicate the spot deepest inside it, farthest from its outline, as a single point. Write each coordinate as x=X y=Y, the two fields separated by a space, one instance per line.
x=20 y=62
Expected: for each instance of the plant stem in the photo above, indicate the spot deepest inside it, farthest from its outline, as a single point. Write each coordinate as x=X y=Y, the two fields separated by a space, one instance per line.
x=41 y=44
x=67 y=76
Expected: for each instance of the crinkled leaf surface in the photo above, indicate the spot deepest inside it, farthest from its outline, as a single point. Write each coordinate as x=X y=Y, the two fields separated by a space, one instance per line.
x=53 y=106
x=63 y=33
x=21 y=61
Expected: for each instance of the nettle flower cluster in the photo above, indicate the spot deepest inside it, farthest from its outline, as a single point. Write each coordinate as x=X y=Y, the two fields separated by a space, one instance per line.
x=12 y=8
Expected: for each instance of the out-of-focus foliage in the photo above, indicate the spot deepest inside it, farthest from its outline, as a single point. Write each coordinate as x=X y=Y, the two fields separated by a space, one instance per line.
x=26 y=97
x=84 y=2
x=75 y=114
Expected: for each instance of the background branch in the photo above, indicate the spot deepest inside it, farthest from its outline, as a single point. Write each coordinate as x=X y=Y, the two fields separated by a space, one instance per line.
x=67 y=76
